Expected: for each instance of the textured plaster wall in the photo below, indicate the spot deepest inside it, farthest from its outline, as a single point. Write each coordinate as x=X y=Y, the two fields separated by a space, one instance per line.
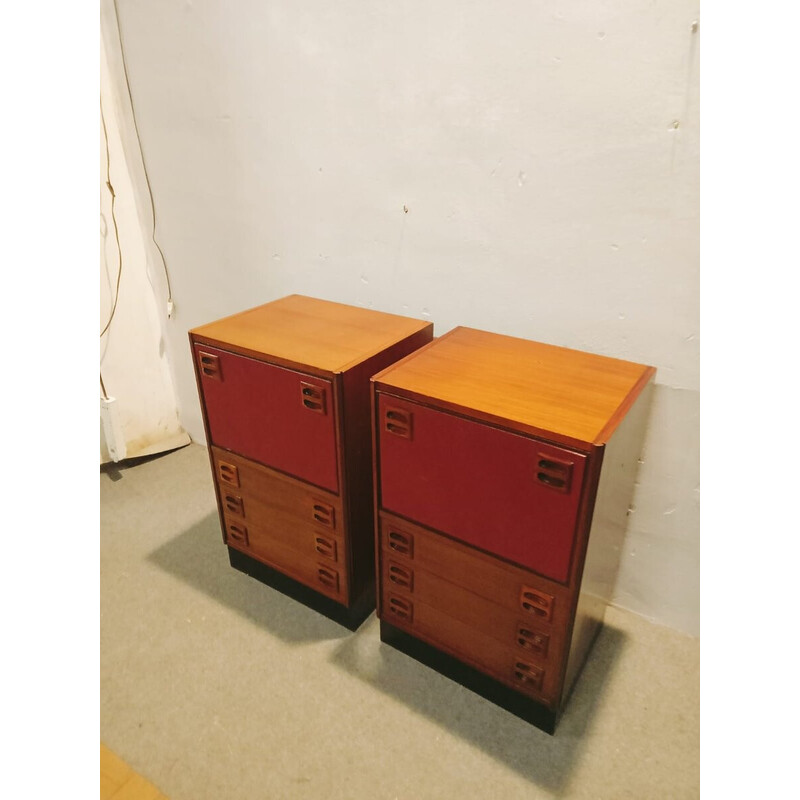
x=527 y=168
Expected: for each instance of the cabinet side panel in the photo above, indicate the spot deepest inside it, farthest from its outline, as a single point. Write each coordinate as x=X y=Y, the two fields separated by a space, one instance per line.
x=357 y=459
x=620 y=464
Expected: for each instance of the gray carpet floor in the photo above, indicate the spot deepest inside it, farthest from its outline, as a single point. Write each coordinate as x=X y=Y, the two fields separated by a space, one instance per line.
x=216 y=686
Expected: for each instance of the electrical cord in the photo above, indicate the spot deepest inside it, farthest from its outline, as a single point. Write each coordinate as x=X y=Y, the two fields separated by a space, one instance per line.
x=170 y=304
x=114 y=219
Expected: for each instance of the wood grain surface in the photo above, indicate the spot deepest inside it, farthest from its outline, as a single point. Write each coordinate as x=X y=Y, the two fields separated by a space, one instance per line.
x=562 y=394
x=284 y=528
x=432 y=624
x=297 y=330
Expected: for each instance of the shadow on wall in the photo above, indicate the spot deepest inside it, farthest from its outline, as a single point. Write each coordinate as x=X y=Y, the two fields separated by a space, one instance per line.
x=199 y=558
x=545 y=760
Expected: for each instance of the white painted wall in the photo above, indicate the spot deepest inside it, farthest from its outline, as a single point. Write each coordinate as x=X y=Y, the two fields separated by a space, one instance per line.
x=548 y=157
x=133 y=358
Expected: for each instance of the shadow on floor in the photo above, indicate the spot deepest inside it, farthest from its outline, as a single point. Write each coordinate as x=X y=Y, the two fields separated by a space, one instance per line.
x=545 y=760
x=199 y=557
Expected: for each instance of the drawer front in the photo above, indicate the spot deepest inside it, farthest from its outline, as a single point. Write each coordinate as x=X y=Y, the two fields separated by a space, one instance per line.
x=287 y=524
x=508 y=494
x=511 y=666
x=276 y=416
x=543 y=603
x=510 y=629
x=306 y=519
x=266 y=545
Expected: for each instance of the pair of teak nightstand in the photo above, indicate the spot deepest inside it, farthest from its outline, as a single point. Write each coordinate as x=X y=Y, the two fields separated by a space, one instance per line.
x=474 y=488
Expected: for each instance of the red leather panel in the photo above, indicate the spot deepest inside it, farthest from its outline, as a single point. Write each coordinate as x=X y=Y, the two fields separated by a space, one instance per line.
x=257 y=410
x=479 y=484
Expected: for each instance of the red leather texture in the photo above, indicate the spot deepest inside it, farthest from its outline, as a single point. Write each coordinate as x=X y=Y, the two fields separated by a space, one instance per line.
x=257 y=410
x=479 y=484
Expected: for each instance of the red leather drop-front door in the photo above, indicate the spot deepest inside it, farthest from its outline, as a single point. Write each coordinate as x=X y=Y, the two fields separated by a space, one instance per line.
x=508 y=494
x=279 y=417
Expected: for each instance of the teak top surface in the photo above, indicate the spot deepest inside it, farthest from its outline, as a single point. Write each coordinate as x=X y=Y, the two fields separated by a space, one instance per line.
x=328 y=336
x=575 y=395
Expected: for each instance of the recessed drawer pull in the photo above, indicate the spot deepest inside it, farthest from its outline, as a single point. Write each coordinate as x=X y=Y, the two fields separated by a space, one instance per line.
x=529 y=674
x=555 y=483
x=545 y=463
x=554 y=473
x=209 y=366
x=402 y=608
x=398 y=422
x=328 y=577
x=313 y=397
x=401 y=576
x=402 y=543
x=324 y=514
x=238 y=533
x=228 y=473
x=234 y=504
x=532 y=640
x=325 y=547
x=536 y=602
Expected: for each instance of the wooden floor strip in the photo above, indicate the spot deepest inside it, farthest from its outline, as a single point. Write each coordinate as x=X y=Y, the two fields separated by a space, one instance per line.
x=119 y=782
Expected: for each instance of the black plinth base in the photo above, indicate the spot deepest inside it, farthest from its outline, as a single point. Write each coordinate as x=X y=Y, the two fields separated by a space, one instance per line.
x=490 y=689
x=351 y=618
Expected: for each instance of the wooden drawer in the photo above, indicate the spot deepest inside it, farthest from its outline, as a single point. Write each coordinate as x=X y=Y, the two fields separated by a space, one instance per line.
x=268 y=546
x=276 y=416
x=510 y=629
x=291 y=525
x=545 y=604
x=284 y=523
x=512 y=666
x=508 y=494
x=307 y=519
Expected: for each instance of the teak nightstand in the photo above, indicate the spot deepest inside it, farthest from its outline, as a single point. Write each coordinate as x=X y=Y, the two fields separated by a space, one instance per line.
x=504 y=471
x=285 y=395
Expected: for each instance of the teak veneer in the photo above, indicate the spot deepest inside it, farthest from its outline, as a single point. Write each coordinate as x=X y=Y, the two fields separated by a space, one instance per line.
x=285 y=397
x=504 y=470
